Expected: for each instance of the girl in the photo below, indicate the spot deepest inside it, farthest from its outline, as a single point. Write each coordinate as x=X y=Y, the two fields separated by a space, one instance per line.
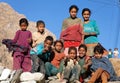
x=72 y=30
x=22 y=60
x=53 y=67
x=84 y=61
x=72 y=69
x=91 y=31
x=102 y=69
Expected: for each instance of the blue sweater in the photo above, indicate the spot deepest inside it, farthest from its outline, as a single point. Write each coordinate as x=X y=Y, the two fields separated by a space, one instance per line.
x=106 y=65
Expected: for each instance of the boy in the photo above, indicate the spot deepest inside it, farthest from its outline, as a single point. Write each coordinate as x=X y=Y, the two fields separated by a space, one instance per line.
x=40 y=35
x=44 y=55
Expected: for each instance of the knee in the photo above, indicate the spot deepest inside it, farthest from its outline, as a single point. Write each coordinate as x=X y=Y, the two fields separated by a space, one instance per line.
x=47 y=64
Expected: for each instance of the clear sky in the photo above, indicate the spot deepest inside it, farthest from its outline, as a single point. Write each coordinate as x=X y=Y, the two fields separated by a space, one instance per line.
x=53 y=12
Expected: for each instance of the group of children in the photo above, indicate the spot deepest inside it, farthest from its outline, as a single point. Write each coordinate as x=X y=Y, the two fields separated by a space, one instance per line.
x=114 y=53
x=47 y=55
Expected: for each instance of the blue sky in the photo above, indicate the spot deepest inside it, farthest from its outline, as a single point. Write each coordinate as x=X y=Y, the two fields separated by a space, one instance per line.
x=53 y=12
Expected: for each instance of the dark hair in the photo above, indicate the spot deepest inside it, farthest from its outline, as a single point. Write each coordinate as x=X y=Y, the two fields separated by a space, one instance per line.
x=23 y=20
x=59 y=42
x=83 y=46
x=73 y=6
x=86 y=9
x=40 y=22
x=99 y=49
x=72 y=48
x=49 y=38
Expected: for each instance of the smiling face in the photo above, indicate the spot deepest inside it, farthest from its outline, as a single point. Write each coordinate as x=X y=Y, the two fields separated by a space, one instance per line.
x=86 y=15
x=47 y=45
x=97 y=55
x=41 y=27
x=72 y=54
x=82 y=52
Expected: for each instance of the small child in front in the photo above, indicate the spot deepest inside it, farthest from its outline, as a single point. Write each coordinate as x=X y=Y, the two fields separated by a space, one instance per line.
x=102 y=69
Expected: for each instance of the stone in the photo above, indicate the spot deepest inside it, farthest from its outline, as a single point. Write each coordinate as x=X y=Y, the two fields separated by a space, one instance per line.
x=116 y=65
x=5 y=74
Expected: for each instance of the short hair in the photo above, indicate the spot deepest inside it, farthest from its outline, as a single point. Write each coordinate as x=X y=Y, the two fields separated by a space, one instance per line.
x=59 y=42
x=40 y=22
x=72 y=48
x=83 y=46
x=98 y=49
x=23 y=20
x=86 y=9
x=50 y=38
x=73 y=6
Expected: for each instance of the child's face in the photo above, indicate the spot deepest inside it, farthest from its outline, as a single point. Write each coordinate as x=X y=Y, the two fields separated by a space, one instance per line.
x=23 y=26
x=72 y=54
x=47 y=45
x=82 y=52
x=41 y=28
x=86 y=15
x=73 y=13
x=58 y=46
x=97 y=55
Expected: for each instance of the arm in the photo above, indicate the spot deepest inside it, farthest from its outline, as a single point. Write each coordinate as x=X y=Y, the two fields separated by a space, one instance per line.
x=16 y=36
x=96 y=30
x=34 y=40
x=88 y=64
x=30 y=39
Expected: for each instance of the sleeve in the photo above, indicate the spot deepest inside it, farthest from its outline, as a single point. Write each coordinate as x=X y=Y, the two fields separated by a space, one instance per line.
x=40 y=48
x=16 y=36
x=61 y=68
x=34 y=40
x=30 y=35
x=30 y=39
x=96 y=28
x=64 y=25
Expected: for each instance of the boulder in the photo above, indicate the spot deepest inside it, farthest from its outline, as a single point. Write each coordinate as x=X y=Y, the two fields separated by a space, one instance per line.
x=116 y=65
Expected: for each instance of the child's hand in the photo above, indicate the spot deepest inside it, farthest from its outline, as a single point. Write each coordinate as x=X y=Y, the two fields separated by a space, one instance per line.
x=58 y=75
x=75 y=61
x=29 y=40
x=92 y=73
x=85 y=67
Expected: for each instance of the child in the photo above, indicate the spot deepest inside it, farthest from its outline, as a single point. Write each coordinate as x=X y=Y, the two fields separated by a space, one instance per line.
x=40 y=35
x=91 y=31
x=110 y=53
x=22 y=60
x=84 y=61
x=44 y=55
x=72 y=30
x=72 y=69
x=53 y=67
x=101 y=68
x=116 y=52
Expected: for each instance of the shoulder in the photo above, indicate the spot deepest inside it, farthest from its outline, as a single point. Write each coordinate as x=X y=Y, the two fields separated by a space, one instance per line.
x=93 y=21
x=28 y=31
x=35 y=33
x=18 y=31
x=63 y=54
x=79 y=19
x=66 y=19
